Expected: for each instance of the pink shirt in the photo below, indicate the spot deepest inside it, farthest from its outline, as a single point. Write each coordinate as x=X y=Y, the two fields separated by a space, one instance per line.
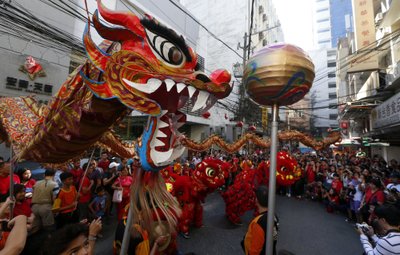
x=125 y=182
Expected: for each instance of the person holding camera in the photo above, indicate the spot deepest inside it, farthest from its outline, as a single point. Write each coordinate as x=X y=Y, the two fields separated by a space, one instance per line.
x=388 y=218
x=14 y=242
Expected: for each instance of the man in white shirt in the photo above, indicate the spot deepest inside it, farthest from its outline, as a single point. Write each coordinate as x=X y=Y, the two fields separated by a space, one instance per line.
x=389 y=221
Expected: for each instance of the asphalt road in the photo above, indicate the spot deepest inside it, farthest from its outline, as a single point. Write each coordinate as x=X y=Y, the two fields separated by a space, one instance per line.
x=305 y=229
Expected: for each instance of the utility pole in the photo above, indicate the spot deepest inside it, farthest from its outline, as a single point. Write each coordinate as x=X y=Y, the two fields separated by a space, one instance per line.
x=241 y=89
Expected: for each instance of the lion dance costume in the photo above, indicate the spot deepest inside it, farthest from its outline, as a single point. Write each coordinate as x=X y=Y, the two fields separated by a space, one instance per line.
x=240 y=196
x=191 y=191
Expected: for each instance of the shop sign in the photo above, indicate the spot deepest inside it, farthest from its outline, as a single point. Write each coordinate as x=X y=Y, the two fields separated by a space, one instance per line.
x=29 y=87
x=386 y=114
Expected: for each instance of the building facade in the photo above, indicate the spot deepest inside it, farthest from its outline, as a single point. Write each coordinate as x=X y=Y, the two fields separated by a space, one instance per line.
x=369 y=77
x=333 y=19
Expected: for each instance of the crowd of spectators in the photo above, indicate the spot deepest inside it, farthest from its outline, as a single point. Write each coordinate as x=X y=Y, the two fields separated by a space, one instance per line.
x=72 y=200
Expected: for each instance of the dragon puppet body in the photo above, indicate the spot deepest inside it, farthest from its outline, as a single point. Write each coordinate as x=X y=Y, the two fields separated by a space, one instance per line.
x=240 y=196
x=191 y=190
x=143 y=66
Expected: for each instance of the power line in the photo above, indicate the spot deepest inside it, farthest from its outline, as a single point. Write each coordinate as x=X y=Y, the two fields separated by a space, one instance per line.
x=205 y=28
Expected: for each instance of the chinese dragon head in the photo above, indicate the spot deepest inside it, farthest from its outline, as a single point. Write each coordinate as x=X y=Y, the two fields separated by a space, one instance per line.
x=154 y=72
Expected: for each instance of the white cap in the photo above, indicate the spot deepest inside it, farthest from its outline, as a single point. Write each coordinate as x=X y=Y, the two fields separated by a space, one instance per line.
x=391 y=186
x=113 y=164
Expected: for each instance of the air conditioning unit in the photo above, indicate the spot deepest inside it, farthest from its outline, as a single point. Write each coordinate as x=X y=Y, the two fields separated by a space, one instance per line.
x=378 y=18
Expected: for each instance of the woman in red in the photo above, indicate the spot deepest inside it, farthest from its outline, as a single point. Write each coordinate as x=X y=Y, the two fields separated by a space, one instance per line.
x=25 y=176
x=373 y=196
x=123 y=183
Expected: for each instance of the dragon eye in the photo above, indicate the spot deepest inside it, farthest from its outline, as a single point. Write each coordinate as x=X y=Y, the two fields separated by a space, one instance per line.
x=165 y=50
x=210 y=172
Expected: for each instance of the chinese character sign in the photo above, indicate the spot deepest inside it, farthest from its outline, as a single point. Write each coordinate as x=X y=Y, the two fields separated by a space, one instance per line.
x=387 y=114
x=364 y=20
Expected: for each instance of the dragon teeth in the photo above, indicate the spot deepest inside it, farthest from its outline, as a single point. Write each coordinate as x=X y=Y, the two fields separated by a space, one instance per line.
x=148 y=88
x=191 y=90
x=162 y=124
x=201 y=100
x=160 y=134
x=156 y=142
x=170 y=83
x=180 y=87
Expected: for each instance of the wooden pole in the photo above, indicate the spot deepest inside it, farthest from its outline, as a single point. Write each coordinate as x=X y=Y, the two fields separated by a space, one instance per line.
x=11 y=181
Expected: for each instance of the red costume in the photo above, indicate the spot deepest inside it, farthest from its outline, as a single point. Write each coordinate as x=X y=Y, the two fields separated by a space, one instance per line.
x=240 y=196
x=191 y=191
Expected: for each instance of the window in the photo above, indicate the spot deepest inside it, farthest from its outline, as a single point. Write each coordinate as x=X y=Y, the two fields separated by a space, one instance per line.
x=200 y=63
x=331 y=64
x=331 y=85
x=323 y=30
x=300 y=114
x=331 y=53
x=332 y=106
x=265 y=42
x=322 y=20
x=332 y=95
x=260 y=9
x=323 y=9
x=331 y=75
x=333 y=116
x=324 y=41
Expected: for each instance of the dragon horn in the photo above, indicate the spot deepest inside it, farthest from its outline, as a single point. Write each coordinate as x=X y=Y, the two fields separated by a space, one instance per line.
x=111 y=33
x=125 y=19
x=98 y=57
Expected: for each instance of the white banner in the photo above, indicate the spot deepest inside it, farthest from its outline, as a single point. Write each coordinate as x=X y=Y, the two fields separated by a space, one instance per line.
x=386 y=114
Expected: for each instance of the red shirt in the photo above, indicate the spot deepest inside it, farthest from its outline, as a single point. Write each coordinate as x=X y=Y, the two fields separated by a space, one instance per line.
x=23 y=208
x=85 y=197
x=310 y=174
x=337 y=185
x=103 y=164
x=30 y=183
x=334 y=199
x=5 y=183
x=377 y=197
x=77 y=175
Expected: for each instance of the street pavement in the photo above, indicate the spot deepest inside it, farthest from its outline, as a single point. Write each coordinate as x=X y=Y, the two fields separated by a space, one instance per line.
x=305 y=229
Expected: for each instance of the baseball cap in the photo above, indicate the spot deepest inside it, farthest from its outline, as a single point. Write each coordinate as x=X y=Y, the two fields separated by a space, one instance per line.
x=113 y=164
x=393 y=187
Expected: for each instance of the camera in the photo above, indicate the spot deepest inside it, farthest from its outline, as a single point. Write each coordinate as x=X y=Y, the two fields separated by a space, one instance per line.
x=364 y=227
